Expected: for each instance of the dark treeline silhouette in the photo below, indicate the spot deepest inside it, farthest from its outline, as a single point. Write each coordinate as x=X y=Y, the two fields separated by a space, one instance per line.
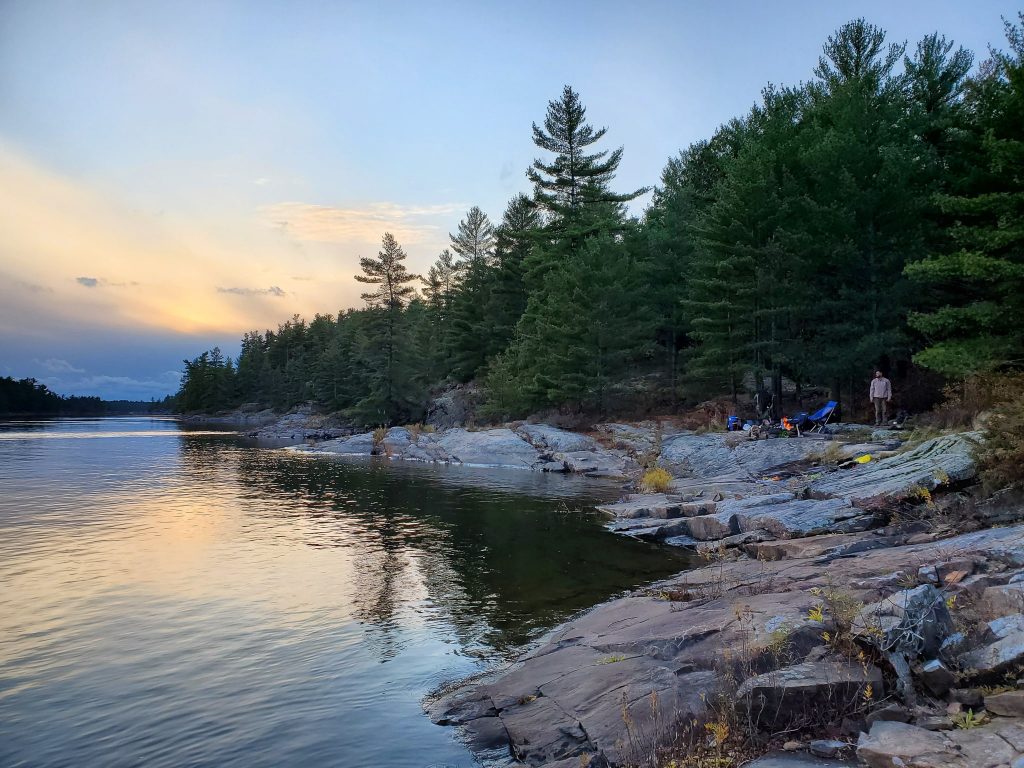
x=29 y=397
x=871 y=217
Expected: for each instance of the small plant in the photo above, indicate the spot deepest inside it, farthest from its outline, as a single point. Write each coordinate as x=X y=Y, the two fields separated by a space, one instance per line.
x=378 y=435
x=528 y=699
x=968 y=720
x=614 y=659
x=656 y=480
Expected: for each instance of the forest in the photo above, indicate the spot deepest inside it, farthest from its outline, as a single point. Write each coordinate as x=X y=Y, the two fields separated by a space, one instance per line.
x=871 y=217
x=30 y=398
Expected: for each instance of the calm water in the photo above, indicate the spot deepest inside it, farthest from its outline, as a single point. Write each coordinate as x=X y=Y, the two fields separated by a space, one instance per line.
x=176 y=598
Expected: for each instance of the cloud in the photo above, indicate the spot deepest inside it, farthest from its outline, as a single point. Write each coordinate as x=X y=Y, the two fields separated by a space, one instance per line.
x=93 y=282
x=271 y=291
x=328 y=224
x=55 y=365
x=34 y=287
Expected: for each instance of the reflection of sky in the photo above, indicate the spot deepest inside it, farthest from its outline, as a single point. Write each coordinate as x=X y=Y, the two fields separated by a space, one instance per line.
x=172 y=175
x=187 y=599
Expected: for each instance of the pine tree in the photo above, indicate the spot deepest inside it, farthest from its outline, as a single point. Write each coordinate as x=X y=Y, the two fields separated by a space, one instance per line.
x=383 y=351
x=981 y=276
x=867 y=205
x=470 y=330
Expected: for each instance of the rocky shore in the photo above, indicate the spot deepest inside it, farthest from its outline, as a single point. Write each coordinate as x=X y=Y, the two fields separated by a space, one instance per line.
x=855 y=608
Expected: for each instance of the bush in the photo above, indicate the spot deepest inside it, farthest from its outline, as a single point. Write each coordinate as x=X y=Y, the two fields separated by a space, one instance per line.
x=1002 y=455
x=963 y=401
x=655 y=480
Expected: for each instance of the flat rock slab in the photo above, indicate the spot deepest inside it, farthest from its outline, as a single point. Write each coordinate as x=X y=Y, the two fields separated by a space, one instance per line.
x=890 y=744
x=932 y=464
x=789 y=518
x=357 y=445
x=489 y=448
x=658 y=505
x=669 y=641
x=796 y=760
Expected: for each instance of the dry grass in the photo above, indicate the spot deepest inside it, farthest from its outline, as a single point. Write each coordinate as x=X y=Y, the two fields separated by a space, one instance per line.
x=656 y=480
x=831 y=453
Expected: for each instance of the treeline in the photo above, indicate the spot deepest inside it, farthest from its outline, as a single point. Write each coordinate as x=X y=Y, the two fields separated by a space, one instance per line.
x=29 y=397
x=873 y=216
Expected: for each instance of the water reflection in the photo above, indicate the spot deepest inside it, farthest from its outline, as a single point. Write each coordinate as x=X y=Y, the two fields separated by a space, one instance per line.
x=501 y=566
x=193 y=599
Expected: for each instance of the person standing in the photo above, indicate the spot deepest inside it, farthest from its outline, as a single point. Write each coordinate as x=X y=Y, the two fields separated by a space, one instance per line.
x=880 y=393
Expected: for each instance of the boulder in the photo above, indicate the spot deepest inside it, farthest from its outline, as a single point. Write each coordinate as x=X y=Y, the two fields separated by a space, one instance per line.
x=426 y=448
x=594 y=461
x=1007 y=703
x=554 y=440
x=928 y=466
x=709 y=527
x=488 y=448
x=453 y=407
x=1006 y=651
x=913 y=622
x=1006 y=598
x=396 y=440
x=827 y=747
x=890 y=743
x=793 y=694
x=937 y=677
x=357 y=445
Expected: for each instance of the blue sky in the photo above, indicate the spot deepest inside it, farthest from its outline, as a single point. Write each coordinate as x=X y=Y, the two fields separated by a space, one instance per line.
x=173 y=174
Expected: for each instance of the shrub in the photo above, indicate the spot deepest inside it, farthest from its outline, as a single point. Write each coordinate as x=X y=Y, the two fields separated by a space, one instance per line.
x=964 y=400
x=656 y=480
x=1002 y=455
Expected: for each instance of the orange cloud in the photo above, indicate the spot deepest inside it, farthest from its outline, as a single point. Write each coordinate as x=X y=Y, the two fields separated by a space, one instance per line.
x=72 y=254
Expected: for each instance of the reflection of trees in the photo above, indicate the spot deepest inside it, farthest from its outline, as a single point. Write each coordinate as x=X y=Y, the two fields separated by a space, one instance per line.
x=498 y=566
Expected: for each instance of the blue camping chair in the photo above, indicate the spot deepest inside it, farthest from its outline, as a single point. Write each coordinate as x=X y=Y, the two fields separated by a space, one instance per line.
x=819 y=419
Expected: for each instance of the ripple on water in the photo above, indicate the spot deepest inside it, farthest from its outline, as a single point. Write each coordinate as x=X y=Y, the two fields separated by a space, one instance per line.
x=173 y=598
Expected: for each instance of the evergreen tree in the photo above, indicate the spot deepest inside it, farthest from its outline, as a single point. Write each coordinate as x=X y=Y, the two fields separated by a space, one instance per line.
x=382 y=349
x=470 y=330
x=867 y=208
x=981 y=276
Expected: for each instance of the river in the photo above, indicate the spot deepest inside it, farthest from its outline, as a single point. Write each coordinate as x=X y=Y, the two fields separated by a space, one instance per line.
x=174 y=597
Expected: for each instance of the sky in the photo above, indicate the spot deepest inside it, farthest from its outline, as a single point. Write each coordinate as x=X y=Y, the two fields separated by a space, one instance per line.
x=175 y=174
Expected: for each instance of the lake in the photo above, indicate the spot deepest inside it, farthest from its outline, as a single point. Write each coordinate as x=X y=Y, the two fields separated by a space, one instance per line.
x=174 y=597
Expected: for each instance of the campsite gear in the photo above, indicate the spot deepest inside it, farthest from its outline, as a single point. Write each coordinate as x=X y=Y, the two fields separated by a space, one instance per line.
x=732 y=424
x=819 y=419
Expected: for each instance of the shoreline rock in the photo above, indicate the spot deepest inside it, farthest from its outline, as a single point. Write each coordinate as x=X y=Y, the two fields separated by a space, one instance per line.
x=674 y=643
